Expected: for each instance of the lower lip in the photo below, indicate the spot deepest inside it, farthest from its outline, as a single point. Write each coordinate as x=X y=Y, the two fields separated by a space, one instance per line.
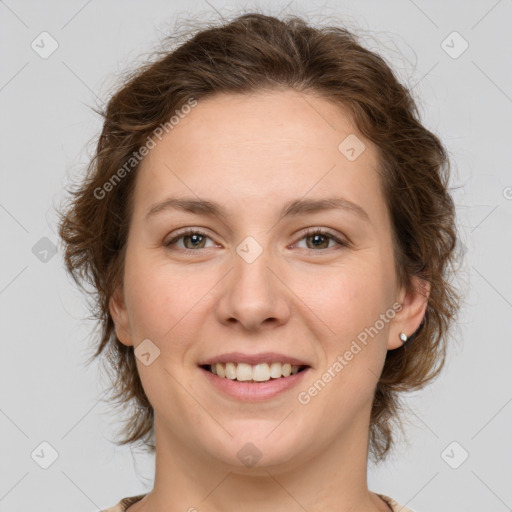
x=254 y=391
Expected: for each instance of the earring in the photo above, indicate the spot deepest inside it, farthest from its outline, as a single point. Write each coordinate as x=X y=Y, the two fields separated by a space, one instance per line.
x=403 y=337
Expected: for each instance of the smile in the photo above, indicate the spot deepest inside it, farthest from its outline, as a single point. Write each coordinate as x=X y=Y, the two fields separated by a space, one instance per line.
x=262 y=372
x=258 y=382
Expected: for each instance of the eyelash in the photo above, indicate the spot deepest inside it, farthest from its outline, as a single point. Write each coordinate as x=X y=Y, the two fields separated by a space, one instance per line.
x=309 y=232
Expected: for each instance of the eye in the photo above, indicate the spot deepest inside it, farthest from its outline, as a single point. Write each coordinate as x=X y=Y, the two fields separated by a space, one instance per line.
x=192 y=238
x=320 y=239
x=195 y=239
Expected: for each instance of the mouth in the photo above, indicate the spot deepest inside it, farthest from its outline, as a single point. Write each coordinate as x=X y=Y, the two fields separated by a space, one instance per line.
x=244 y=382
x=254 y=374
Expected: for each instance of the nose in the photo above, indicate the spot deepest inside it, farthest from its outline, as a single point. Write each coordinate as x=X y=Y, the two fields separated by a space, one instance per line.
x=254 y=294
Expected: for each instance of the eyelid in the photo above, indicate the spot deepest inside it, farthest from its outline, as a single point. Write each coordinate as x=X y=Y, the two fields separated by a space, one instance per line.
x=187 y=232
x=339 y=239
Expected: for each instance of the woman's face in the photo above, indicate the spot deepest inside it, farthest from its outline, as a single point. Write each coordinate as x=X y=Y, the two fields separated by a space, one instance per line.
x=250 y=280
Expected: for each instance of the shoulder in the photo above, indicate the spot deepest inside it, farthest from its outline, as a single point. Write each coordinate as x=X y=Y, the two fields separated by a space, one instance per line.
x=393 y=504
x=123 y=504
x=114 y=508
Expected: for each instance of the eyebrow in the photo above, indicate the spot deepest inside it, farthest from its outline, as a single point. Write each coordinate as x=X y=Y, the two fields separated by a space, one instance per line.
x=292 y=208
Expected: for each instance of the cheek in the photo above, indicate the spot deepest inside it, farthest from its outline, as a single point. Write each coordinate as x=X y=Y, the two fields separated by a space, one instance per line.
x=349 y=303
x=352 y=334
x=346 y=299
x=162 y=298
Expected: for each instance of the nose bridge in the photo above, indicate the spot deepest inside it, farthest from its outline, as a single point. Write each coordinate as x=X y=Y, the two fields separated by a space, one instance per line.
x=251 y=266
x=253 y=293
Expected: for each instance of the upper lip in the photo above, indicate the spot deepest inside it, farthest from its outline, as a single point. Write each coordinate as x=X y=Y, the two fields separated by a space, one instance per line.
x=252 y=359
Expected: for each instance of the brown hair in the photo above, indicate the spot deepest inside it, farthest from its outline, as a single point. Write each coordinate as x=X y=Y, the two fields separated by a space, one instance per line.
x=255 y=52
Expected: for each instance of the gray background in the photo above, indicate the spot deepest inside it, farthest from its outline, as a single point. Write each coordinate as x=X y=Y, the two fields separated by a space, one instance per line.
x=47 y=392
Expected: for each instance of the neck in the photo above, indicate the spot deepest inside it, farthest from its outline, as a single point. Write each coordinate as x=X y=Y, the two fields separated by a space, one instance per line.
x=333 y=479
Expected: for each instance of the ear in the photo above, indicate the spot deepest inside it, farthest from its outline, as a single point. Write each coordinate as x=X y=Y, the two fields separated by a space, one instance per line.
x=408 y=319
x=117 y=308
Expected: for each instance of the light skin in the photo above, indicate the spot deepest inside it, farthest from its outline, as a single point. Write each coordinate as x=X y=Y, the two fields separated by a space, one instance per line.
x=305 y=295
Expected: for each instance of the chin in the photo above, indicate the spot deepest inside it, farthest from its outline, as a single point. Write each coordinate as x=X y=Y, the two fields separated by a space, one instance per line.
x=255 y=448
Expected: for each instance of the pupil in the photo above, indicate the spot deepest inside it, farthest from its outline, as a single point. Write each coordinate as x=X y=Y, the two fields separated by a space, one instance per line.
x=195 y=239
x=316 y=239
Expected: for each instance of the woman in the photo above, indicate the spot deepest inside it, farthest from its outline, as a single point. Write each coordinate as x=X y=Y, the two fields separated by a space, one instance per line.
x=267 y=227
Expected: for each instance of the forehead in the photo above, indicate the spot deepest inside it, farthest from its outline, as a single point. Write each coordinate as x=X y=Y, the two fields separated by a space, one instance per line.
x=268 y=146
x=274 y=121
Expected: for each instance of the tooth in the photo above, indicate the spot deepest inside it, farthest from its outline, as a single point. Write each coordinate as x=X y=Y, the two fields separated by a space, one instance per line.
x=261 y=372
x=286 y=370
x=230 y=371
x=243 y=372
x=220 y=370
x=275 y=370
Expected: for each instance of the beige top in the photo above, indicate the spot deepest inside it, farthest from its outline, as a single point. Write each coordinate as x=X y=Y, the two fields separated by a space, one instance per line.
x=126 y=502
